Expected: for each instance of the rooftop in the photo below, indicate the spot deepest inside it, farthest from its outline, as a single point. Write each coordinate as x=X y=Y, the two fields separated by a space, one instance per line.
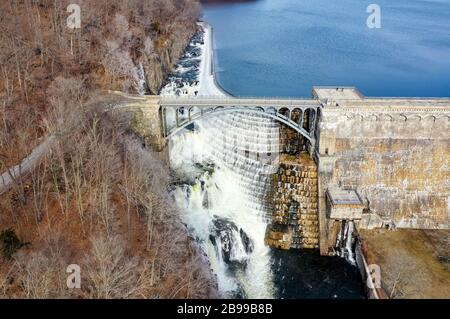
x=340 y=196
x=397 y=102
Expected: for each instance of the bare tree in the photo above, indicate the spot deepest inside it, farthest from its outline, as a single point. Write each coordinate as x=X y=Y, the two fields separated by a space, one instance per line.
x=402 y=275
x=5 y=278
x=47 y=74
x=111 y=273
x=41 y=274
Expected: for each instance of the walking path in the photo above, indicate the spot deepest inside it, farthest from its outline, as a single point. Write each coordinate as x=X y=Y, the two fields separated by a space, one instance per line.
x=207 y=77
x=13 y=173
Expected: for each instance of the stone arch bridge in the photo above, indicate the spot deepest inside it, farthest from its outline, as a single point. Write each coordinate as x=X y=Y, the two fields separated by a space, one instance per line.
x=298 y=114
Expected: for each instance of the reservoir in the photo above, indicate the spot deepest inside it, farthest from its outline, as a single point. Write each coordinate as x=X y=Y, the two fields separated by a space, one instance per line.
x=284 y=47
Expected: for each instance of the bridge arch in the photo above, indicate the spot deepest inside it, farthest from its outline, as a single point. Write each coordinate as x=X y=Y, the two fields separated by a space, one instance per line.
x=372 y=118
x=386 y=118
x=284 y=111
x=182 y=115
x=415 y=117
x=309 y=119
x=283 y=115
x=444 y=118
x=194 y=112
x=271 y=110
x=401 y=117
x=430 y=118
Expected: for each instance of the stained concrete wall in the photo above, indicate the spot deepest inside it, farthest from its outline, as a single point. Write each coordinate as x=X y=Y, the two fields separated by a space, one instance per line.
x=395 y=153
x=146 y=120
x=294 y=200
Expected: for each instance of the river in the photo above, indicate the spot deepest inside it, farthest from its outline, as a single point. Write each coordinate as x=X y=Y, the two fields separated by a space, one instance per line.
x=284 y=47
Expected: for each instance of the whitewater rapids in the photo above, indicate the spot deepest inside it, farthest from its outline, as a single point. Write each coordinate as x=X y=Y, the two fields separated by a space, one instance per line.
x=222 y=178
x=222 y=184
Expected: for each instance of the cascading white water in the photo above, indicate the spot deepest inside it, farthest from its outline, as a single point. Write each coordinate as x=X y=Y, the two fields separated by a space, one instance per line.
x=223 y=196
x=141 y=80
x=345 y=242
x=350 y=254
x=222 y=178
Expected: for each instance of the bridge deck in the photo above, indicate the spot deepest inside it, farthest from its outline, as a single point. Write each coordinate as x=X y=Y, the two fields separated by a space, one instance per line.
x=237 y=102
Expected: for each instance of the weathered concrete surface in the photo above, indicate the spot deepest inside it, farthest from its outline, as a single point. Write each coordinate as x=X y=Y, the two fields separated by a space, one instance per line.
x=294 y=201
x=394 y=152
x=148 y=123
x=147 y=120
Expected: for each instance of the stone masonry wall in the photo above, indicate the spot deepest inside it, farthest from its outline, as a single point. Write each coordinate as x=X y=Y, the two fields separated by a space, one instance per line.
x=147 y=121
x=399 y=161
x=292 y=142
x=295 y=199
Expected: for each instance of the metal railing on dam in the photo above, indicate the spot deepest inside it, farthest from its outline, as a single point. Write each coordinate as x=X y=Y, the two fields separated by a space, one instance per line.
x=237 y=101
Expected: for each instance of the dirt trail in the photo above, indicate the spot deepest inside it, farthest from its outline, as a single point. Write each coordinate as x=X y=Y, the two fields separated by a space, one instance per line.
x=13 y=173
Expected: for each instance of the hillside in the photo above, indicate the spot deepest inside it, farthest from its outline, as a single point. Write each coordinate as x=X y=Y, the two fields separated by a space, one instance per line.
x=98 y=199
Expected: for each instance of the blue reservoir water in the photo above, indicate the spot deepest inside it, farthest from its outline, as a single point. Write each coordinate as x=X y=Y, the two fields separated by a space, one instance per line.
x=284 y=47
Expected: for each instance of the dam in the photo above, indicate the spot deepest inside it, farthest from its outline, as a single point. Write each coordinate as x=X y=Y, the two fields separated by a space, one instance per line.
x=375 y=162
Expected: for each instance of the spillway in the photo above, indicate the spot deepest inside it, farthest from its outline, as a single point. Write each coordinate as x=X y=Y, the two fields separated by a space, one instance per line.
x=223 y=166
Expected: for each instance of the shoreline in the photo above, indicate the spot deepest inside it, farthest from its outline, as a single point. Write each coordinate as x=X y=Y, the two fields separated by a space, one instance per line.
x=210 y=52
x=205 y=83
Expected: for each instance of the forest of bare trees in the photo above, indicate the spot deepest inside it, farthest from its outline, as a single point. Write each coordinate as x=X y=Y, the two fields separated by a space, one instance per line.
x=116 y=42
x=98 y=198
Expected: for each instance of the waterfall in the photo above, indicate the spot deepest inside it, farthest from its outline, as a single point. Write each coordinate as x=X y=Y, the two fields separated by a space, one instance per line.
x=141 y=83
x=223 y=166
x=350 y=256
x=345 y=241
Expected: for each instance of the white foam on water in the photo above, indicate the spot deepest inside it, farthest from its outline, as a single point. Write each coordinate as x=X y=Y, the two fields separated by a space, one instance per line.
x=233 y=191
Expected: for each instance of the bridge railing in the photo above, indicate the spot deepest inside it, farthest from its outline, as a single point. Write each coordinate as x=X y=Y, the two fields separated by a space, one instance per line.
x=237 y=97
x=217 y=100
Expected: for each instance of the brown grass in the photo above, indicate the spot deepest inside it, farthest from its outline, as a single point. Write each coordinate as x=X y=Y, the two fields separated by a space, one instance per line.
x=424 y=276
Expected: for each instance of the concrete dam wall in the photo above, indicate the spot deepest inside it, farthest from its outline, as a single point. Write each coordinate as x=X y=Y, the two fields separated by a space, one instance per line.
x=394 y=152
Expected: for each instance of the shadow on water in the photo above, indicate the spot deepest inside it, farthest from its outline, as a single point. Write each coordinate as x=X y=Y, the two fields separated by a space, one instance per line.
x=304 y=274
